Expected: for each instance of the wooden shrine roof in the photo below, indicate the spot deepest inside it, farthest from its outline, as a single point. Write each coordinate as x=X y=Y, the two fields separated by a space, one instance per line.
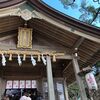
x=88 y=49
x=40 y=6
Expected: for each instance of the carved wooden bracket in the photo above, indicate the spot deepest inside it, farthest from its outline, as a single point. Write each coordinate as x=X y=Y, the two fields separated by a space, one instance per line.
x=23 y=10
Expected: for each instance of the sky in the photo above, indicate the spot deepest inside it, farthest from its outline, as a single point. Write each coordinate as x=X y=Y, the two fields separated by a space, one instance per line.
x=56 y=4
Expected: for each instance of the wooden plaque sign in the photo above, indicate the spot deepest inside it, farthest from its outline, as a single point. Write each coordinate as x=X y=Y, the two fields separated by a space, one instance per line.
x=21 y=84
x=24 y=38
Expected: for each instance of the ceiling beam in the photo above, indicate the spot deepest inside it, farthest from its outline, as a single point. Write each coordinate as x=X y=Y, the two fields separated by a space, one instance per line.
x=54 y=34
x=78 y=43
x=7 y=37
x=67 y=66
x=20 y=77
x=67 y=57
x=69 y=29
x=50 y=36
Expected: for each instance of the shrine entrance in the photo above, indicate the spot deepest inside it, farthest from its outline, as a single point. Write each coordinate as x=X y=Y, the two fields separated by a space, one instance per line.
x=32 y=78
x=16 y=88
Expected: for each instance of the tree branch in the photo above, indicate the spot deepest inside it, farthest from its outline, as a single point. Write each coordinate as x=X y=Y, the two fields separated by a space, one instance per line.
x=66 y=1
x=95 y=15
x=72 y=2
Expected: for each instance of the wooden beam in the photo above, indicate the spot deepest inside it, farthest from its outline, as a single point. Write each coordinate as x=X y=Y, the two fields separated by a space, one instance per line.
x=53 y=37
x=40 y=36
x=51 y=93
x=70 y=75
x=78 y=43
x=25 y=77
x=2 y=87
x=67 y=28
x=66 y=90
x=49 y=42
x=7 y=46
x=67 y=57
x=56 y=31
x=7 y=37
x=78 y=78
x=95 y=58
x=67 y=66
x=58 y=55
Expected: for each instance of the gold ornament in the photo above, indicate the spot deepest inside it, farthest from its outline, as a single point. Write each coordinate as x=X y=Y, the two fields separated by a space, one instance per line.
x=54 y=58
x=39 y=59
x=24 y=57
x=10 y=57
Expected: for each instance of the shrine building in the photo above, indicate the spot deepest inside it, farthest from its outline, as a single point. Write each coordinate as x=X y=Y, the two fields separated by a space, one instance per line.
x=43 y=50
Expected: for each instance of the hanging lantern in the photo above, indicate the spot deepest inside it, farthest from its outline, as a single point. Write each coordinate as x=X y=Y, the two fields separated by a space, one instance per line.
x=10 y=57
x=91 y=82
x=19 y=60
x=3 y=60
x=44 y=60
x=33 y=60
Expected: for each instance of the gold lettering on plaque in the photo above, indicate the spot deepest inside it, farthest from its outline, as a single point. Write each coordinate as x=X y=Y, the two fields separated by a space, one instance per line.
x=24 y=38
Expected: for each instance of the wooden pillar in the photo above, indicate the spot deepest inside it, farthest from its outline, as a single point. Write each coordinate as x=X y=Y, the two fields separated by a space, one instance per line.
x=51 y=93
x=66 y=90
x=39 y=85
x=79 y=80
x=2 y=87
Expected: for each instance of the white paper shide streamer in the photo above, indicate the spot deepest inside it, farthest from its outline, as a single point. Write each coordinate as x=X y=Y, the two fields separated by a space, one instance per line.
x=3 y=60
x=44 y=60
x=33 y=60
x=19 y=60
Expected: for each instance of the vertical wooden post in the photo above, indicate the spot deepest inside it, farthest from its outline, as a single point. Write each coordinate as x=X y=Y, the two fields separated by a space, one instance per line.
x=78 y=78
x=2 y=87
x=50 y=79
x=65 y=90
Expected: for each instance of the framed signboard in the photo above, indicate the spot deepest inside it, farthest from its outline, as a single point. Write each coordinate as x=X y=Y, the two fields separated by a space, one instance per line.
x=24 y=38
x=9 y=84
x=22 y=84
x=34 y=84
x=15 y=84
x=28 y=84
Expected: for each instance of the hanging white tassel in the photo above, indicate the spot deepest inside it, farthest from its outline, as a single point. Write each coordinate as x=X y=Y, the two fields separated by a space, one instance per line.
x=33 y=61
x=44 y=60
x=19 y=60
x=3 y=60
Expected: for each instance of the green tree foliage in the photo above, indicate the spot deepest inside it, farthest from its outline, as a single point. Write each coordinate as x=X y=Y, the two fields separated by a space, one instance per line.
x=69 y=3
x=98 y=64
x=89 y=13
